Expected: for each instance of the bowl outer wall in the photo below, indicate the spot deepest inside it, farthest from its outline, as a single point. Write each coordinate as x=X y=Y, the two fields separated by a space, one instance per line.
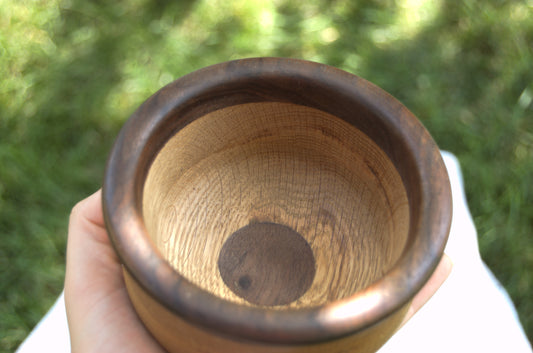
x=392 y=126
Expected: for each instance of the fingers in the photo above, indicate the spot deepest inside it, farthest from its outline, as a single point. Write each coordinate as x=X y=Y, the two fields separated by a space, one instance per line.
x=99 y=313
x=90 y=257
x=91 y=261
x=93 y=272
x=88 y=215
x=443 y=270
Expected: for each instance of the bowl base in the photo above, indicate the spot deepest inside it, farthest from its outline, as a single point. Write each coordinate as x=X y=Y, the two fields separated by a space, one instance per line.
x=267 y=264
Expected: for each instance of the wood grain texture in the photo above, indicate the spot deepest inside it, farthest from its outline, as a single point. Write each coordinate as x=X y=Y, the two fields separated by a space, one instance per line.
x=280 y=163
x=179 y=336
x=290 y=143
x=267 y=264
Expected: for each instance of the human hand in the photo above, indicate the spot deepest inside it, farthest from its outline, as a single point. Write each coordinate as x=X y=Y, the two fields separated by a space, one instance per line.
x=100 y=315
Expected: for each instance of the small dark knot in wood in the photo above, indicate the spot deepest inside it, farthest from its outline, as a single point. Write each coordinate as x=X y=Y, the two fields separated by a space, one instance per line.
x=267 y=264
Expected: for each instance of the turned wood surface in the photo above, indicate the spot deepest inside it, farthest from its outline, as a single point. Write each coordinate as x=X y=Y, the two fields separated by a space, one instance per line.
x=267 y=264
x=284 y=164
x=233 y=173
x=179 y=336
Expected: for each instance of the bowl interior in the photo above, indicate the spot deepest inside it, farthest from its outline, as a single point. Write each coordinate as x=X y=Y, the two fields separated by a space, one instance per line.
x=276 y=204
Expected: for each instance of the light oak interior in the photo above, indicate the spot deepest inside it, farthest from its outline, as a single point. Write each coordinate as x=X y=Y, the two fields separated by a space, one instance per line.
x=277 y=164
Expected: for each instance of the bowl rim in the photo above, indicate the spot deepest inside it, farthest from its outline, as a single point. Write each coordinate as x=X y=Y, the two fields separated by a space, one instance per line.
x=398 y=132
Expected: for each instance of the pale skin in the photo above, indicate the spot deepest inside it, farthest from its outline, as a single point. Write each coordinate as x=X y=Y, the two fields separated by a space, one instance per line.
x=100 y=315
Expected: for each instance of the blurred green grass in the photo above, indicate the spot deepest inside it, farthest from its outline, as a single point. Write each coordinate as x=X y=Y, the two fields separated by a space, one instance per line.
x=72 y=71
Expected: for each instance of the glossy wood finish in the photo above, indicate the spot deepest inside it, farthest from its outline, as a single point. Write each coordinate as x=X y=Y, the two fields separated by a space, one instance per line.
x=178 y=335
x=340 y=167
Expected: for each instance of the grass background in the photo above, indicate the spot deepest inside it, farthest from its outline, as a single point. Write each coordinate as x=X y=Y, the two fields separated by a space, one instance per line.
x=72 y=71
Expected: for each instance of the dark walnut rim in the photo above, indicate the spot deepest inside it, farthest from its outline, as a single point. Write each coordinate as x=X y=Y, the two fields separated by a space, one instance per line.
x=385 y=120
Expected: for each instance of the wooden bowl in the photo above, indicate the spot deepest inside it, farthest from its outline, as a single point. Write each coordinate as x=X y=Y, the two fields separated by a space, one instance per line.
x=275 y=205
